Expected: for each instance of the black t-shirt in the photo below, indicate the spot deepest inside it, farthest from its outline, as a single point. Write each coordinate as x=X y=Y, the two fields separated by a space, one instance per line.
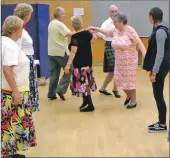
x=83 y=55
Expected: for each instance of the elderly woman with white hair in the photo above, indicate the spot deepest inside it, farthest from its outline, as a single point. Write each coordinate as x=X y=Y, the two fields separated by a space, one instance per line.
x=17 y=126
x=24 y=11
x=125 y=41
x=82 y=79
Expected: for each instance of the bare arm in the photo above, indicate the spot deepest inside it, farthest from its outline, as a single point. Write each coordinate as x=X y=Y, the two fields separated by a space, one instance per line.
x=100 y=30
x=70 y=34
x=136 y=40
x=8 y=73
x=95 y=36
x=72 y=55
x=141 y=47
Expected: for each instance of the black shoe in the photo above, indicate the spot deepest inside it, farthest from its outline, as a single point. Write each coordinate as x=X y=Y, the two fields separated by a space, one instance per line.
x=105 y=92
x=157 y=128
x=83 y=105
x=131 y=106
x=153 y=125
x=61 y=96
x=116 y=93
x=18 y=156
x=87 y=109
x=127 y=101
x=52 y=98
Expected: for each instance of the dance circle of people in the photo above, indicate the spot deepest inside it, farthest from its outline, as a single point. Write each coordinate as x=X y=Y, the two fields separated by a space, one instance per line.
x=20 y=97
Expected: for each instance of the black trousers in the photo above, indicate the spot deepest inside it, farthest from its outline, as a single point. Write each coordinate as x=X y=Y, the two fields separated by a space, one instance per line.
x=158 y=88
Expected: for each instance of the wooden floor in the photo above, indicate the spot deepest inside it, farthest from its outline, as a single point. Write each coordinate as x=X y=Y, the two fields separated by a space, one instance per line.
x=110 y=131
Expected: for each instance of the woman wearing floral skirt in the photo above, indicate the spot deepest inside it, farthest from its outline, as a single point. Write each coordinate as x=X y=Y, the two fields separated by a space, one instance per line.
x=17 y=126
x=24 y=11
x=82 y=80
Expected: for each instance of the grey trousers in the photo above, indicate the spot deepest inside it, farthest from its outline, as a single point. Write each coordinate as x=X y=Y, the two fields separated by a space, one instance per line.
x=56 y=63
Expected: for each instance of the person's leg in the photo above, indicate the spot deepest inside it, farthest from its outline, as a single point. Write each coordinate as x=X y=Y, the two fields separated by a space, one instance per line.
x=108 y=79
x=131 y=98
x=90 y=106
x=55 y=69
x=114 y=86
x=128 y=97
x=158 y=88
x=108 y=67
x=8 y=122
x=65 y=80
x=85 y=102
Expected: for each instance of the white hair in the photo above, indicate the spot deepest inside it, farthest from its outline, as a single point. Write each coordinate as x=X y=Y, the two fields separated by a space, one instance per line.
x=22 y=10
x=113 y=7
x=77 y=22
x=58 y=12
x=11 y=24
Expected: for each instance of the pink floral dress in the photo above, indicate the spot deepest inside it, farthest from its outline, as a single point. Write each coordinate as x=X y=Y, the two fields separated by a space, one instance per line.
x=126 y=58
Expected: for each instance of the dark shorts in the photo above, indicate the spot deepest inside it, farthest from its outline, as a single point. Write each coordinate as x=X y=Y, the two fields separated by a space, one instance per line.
x=109 y=58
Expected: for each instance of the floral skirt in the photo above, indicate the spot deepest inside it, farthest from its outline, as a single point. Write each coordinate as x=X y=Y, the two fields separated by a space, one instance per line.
x=34 y=95
x=17 y=126
x=82 y=81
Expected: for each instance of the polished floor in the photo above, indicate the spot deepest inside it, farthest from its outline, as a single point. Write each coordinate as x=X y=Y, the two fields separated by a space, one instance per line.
x=110 y=131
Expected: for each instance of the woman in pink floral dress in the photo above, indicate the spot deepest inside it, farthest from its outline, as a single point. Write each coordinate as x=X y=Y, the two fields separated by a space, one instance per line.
x=125 y=42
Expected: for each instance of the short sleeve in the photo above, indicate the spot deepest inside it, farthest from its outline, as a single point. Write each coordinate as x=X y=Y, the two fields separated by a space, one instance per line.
x=62 y=28
x=73 y=42
x=132 y=34
x=89 y=36
x=19 y=42
x=10 y=56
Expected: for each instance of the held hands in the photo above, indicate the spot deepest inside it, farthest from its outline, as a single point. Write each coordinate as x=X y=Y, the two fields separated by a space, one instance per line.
x=91 y=28
x=67 y=69
x=152 y=77
x=17 y=97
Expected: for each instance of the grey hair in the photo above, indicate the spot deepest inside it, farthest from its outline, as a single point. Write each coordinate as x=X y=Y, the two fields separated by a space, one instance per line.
x=58 y=12
x=22 y=10
x=11 y=24
x=121 y=17
x=77 y=22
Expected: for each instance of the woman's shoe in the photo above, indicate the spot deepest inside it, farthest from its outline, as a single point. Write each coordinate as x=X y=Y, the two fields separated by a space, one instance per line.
x=18 y=156
x=89 y=108
x=105 y=92
x=116 y=93
x=83 y=105
x=131 y=106
x=127 y=101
